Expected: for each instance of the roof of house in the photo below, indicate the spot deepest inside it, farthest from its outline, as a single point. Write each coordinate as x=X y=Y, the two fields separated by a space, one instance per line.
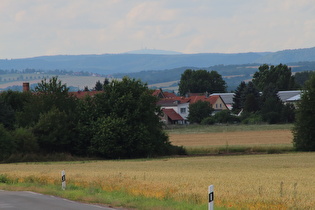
x=285 y=95
x=192 y=99
x=211 y=99
x=157 y=92
x=226 y=97
x=162 y=94
x=169 y=95
x=173 y=101
x=294 y=98
x=172 y=114
x=82 y=94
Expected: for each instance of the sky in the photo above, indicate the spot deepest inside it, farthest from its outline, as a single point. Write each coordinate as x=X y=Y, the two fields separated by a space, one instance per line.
x=32 y=28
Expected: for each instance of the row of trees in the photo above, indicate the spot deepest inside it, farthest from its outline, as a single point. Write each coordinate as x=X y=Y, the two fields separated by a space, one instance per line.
x=258 y=101
x=261 y=107
x=201 y=81
x=120 y=122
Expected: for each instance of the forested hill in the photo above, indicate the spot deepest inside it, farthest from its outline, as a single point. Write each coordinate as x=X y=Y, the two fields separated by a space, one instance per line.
x=288 y=56
x=125 y=63
x=233 y=74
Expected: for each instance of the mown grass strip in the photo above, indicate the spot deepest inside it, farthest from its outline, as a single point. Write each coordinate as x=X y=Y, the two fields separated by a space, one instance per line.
x=118 y=199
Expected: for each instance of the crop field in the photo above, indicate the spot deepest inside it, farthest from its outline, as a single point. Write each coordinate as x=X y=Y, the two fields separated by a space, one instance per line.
x=250 y=181
x=263 y=181
x=249 y=138
x=75 y=81
x=233 y=138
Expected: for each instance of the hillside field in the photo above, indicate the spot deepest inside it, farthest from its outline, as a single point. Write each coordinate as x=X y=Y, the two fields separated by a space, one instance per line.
x=70 y=80
x=265 y=181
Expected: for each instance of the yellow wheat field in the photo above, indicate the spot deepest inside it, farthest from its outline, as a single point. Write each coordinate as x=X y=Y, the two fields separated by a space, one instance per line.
x=249 y=182
x=232 y=138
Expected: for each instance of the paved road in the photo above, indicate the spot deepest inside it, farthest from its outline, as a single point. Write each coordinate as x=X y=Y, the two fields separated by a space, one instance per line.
x=25 y=200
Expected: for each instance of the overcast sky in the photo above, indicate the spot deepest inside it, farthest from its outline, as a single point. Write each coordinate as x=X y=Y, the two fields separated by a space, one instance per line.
x=52 y=27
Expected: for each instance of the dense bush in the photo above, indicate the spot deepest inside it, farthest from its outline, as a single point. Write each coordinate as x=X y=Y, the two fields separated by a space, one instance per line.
x=7 y=146
x=225 y=116
x=25 y=141
x=120 y=122
x=208 y=121
x=304 y=132
x=251 y=118
x=199 y=111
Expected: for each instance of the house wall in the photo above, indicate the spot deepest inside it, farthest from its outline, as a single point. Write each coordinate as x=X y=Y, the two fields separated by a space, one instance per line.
x=219 y=105
x=183 y=110
x=178 y=108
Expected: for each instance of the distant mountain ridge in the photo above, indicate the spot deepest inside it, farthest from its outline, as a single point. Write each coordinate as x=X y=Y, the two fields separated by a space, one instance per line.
x=153 y=51
x=289 y=56
x=107 y=64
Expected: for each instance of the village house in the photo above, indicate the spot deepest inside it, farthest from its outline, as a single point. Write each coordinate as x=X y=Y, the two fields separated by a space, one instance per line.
x=176 y=108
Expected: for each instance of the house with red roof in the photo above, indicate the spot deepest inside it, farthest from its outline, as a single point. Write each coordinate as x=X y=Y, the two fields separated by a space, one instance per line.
x=180 y=105
x=169 y=116
x=163 y=94
x=216 y=101
x=83 y=94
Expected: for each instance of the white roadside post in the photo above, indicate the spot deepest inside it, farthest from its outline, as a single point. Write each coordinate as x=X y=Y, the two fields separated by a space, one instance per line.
x=63 y=179
x=211 y=197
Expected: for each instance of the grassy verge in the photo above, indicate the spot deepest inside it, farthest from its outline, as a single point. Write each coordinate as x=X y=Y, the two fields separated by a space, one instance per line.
x=94 y=195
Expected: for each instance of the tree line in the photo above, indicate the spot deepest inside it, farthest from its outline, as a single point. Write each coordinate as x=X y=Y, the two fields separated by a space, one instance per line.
x=257 y=101
x=120 y=122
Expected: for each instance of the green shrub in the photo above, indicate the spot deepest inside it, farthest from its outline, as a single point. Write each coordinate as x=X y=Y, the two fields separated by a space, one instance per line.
x=25 y=141
x=208 y=121
x=7 y=146
x=4 y=178
x=250 y=118
x=272 y=117
x=225 y=116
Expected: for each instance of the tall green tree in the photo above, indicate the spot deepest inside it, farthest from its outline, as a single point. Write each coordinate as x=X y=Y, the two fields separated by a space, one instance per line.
x=53 y=85
x=238 y=104
x=271 y=105
x=303 y=131
x=127 y=122
x=280 y=76
x=98 y=86
x=55 y=132
x=199 y=111
x=7 y=145
x=48 y=94
x=250 y=98
x=106 y=82
x=302 y=77
x=201 y=81
x=6 y=115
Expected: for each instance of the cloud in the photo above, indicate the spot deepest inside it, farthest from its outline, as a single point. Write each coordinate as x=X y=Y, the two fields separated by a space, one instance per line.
x=37 y=27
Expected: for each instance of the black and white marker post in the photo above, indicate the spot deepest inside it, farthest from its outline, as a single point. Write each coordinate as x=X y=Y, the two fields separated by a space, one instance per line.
x=63 y=179
x=211 y=197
